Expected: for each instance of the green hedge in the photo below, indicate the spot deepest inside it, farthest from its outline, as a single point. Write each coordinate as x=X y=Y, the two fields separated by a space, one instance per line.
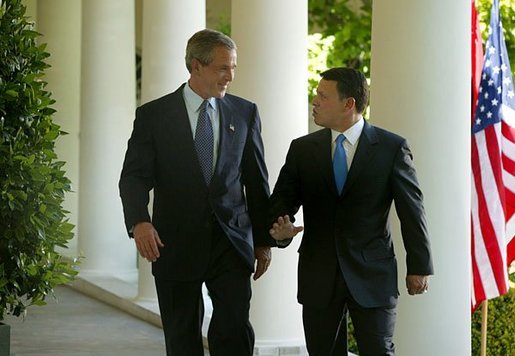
x=501 y=327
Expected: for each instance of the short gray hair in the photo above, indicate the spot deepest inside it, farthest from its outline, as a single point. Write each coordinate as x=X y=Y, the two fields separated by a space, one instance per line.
x=202 y=44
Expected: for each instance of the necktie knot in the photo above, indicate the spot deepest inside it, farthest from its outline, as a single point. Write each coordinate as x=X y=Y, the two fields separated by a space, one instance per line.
x=340 y=163
x=203 y=107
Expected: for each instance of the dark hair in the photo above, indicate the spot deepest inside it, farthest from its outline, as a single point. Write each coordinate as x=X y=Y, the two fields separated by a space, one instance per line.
x=202 y=44
x=350 y=83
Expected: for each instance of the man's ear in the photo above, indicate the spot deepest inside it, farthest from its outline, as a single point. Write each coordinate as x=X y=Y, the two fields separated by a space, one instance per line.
x=195 y=65
x=350 y=103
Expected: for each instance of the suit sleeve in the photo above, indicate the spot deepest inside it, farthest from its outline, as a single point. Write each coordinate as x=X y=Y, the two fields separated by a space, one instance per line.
x=410 y=210
x=285 y=199
x=137 y=173
x=255 y=180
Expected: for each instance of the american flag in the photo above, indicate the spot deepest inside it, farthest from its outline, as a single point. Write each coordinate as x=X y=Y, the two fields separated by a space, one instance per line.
x=493 y=167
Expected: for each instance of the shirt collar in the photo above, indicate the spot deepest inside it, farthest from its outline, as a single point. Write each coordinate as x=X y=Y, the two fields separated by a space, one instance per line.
x=193 y=100
x=352 y=134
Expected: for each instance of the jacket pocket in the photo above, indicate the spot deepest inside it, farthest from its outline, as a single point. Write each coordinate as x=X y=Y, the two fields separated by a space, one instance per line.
x=377 y=253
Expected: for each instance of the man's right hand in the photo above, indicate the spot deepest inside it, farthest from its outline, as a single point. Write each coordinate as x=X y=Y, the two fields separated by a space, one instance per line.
x=284 y=229
x=147 y=241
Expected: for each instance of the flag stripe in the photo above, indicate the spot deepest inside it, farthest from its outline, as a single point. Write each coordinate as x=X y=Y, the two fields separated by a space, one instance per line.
x=508 y=165
x=508 y=132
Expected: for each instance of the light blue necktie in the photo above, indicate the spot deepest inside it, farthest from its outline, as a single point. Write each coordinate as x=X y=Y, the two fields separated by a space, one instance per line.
x=204 y=142
x=340 y=163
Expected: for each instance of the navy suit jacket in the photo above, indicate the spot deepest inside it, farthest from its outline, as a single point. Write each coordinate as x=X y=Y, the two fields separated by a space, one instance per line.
x=161 y=156
x=350 y=232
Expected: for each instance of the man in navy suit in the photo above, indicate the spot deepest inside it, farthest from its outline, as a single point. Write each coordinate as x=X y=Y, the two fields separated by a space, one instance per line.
x=345 y=177
x=201 y=152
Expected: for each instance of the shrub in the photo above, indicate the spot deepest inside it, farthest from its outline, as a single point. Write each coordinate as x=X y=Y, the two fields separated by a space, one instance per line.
x=501 y=326
x=32 y=181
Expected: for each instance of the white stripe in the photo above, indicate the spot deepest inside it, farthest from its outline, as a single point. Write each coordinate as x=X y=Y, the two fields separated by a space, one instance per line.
x=508 y=148
x=508 y=180
x=485 y=271
x=508 y=115
x=510 y=227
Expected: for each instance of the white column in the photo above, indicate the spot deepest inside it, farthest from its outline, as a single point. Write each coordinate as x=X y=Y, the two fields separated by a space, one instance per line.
x=421 y=90
x=59 y=22
x=107 y=111
x=272 y=71
x=167 y=26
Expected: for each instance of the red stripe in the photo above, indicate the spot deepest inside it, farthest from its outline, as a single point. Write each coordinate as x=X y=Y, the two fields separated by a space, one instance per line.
x=509 y=208
x=511 y=251
x=494 y=156
x=508 y=131
x=508 y=164
x=476 y=56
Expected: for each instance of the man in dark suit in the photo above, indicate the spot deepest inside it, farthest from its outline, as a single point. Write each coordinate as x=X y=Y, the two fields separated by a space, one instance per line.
x=346 y=185
x=201 y=151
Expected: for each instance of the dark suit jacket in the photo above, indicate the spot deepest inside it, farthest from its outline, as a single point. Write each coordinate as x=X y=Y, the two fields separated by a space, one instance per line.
x=161 y=156
x=352 y=230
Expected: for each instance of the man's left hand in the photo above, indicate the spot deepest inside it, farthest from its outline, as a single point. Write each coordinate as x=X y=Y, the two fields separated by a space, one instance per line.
x=263 y=259
x=417 y=284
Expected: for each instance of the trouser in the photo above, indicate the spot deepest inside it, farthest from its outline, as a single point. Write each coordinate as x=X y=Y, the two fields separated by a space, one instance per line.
x=182 y=308
x=325 y=329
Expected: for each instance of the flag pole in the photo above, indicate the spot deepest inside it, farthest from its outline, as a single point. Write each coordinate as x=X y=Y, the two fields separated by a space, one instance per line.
x=484 y=326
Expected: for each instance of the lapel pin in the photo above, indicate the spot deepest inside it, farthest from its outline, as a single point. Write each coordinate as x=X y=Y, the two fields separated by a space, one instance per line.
x=231 y=127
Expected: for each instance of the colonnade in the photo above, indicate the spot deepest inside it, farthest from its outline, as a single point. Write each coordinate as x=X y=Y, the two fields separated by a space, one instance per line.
x=420 y=89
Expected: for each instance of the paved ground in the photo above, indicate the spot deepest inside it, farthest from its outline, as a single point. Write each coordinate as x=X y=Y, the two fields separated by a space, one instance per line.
x=77 y=325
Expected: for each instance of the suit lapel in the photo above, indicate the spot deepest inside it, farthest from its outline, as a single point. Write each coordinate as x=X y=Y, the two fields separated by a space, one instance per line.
x=181 y=142
x=227 y=130
x=362 y=157
x=322 y=155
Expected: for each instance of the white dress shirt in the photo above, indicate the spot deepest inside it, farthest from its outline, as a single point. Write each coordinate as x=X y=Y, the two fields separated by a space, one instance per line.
x=350 y=144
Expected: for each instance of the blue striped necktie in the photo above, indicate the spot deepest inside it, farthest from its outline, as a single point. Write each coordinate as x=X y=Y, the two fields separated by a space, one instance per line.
x=340 y=163
x=204 y=142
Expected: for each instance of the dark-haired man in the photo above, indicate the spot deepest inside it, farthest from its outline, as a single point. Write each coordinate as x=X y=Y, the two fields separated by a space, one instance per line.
x=345 y=177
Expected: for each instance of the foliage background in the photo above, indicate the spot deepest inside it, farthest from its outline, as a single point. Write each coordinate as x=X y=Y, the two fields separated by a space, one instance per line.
x=32 y=180
x=340 y=34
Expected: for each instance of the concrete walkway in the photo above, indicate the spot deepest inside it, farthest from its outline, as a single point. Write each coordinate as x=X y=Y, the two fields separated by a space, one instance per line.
x=76 y=325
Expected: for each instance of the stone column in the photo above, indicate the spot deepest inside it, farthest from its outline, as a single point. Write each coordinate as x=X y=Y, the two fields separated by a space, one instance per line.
x=107 y=109
x=59 y=22
x=421 y=90
x=272 y=71
x=167 y=26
